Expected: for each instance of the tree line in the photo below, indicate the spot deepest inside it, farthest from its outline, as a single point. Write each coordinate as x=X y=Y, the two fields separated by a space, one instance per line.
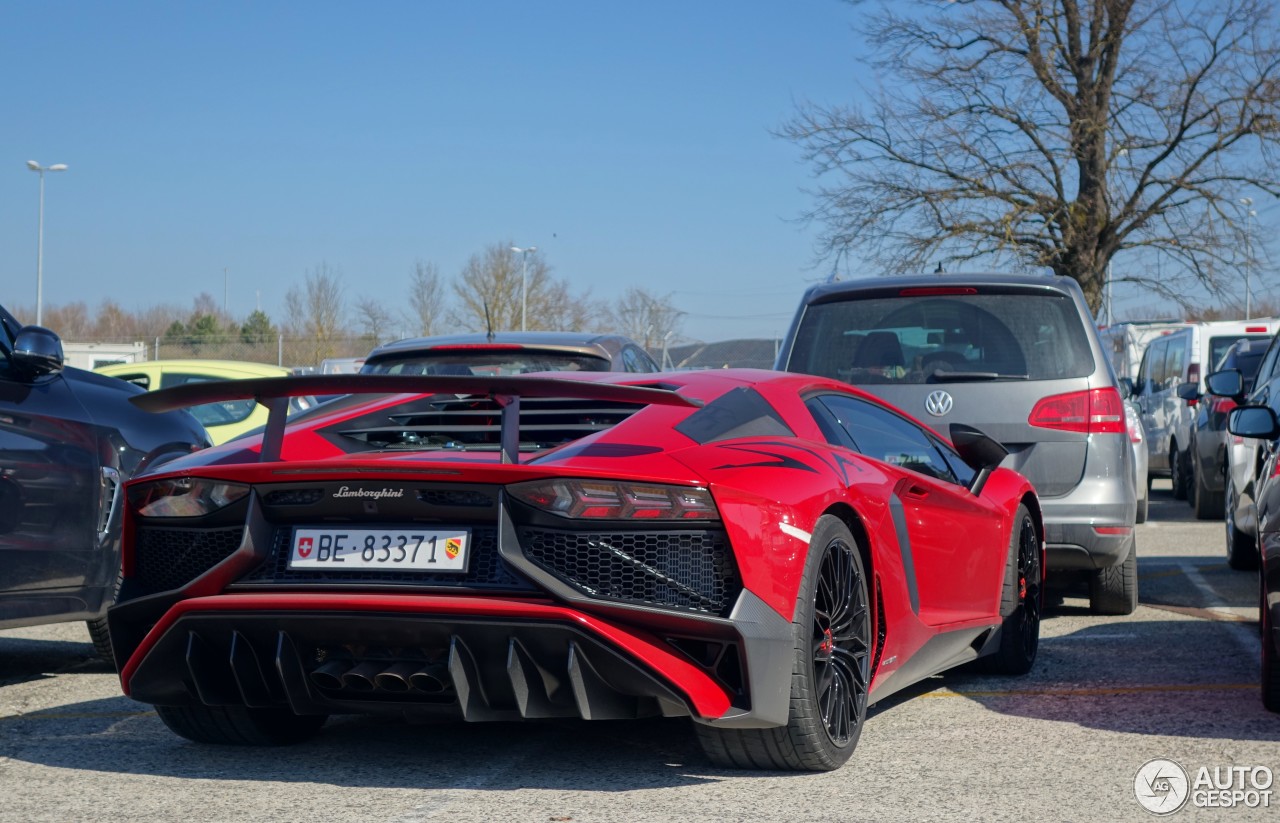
x=324 y=317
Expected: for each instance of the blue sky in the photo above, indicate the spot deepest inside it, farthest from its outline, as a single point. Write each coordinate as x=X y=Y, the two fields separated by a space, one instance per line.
x=630 y=142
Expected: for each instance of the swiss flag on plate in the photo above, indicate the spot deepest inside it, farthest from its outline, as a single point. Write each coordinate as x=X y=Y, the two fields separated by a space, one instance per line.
x=304 y=546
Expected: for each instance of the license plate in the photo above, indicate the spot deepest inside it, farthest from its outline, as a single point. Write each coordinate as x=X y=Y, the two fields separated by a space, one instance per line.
x=424 y=550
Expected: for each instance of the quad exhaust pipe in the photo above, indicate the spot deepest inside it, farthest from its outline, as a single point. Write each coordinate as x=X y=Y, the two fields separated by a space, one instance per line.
x=396 y=678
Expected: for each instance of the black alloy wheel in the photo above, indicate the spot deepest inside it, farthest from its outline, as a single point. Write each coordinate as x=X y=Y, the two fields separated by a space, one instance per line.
x=831 y=667
x=841 y=642
x=1021 y=602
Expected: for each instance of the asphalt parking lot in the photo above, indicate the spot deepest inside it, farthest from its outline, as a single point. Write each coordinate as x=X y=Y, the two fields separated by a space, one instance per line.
x=1176 y=680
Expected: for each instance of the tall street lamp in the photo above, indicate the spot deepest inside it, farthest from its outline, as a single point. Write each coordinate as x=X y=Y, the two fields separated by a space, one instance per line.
x=524 y=280
x=1249 y=214
x=39 y=169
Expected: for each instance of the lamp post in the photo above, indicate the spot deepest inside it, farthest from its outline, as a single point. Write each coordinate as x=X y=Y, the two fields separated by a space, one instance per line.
x=39 y=169
x=524 y=280
x=1249 y=214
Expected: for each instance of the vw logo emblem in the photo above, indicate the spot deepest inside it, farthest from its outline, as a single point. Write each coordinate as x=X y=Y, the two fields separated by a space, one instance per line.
x=938 y=403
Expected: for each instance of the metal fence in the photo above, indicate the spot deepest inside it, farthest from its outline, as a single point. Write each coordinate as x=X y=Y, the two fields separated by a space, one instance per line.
x=308 y=353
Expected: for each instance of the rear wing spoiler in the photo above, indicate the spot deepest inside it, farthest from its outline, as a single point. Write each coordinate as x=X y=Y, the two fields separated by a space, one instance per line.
x=274 y=393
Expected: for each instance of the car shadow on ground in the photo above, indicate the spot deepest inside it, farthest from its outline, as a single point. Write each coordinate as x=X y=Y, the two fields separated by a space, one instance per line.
x=1136 y=677
x=119 y=735
x=23 y=660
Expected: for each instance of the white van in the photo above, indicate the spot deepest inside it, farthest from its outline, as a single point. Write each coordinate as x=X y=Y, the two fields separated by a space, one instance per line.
x=1125 y=342
x=1183 y=356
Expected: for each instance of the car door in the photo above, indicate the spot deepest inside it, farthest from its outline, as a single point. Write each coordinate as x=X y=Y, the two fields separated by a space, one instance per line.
x=50 y=488
x=951 y=550
x=1150 y=381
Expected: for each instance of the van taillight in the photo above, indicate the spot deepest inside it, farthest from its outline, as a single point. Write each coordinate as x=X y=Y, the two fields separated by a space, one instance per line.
x=1193 y=373
x=1094 y=411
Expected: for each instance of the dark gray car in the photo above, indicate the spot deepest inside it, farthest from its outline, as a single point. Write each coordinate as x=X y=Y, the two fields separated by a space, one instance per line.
x=69 y=439
x=504 y=353
x=1018 y=357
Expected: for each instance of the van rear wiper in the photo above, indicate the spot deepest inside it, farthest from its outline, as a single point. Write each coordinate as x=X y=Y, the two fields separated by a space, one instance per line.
x=944 y=375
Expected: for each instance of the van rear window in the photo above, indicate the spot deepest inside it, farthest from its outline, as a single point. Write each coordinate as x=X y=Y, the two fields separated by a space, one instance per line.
x=912 y=340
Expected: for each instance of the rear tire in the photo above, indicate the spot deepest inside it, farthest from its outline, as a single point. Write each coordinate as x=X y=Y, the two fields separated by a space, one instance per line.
x=1270 y=663
x=1177 y=472
x=1208 y=505
x=1242 y=548
x=1144 y=507
x=1021 y=602
x=100 y=634
x=240 y=725
x=831 y=668
x=1114 y=590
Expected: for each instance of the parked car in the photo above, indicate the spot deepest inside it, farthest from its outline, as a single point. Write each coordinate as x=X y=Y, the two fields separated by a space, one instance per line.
x=68 y=440
x=1259 y=422
x=1125 y=343
x=1018 y=357
x=1207 y=451
x=1141 y=486
x=506 y=353
x=1246 y=457
x=1182 y=356
x=764 y=553
x=225 y=420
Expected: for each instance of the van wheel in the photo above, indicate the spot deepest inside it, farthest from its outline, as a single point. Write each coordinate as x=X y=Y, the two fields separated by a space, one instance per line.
x=1177 y=472
x=1270 y=665
x=1114 y=590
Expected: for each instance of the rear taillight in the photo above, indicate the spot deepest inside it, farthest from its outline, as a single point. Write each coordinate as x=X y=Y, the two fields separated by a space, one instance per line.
x=1133 y=425
x=1221 y=405
x=1193 y=373
x=1093 y=411
x=616 y=500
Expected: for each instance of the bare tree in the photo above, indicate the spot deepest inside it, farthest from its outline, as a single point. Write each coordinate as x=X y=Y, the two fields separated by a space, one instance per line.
x=315 y=312
x=497 y=278
x=374 y=319
x=426 y=298
x=645 y=317
x=1057 y=133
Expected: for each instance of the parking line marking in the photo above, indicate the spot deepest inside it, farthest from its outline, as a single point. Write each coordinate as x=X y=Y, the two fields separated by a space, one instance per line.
x=1098 y=692
x=1246 y=639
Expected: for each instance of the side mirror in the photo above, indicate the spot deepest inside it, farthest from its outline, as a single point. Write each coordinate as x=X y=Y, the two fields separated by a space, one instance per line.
x=37 y=351
x=1189 y=392
x=1226 y=383
x=1254 y=421
x=1127 y=389
x=979 y=450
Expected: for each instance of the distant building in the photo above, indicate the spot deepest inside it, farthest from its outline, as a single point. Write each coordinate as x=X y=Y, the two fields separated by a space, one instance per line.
x=92 y=355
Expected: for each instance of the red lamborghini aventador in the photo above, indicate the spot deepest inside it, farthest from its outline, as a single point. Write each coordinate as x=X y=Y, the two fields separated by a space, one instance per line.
x=761 y=552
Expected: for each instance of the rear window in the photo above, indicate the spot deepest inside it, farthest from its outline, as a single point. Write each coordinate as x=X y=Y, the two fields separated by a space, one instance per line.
x=486 y=363
x=1218 y=346
x=911 y=339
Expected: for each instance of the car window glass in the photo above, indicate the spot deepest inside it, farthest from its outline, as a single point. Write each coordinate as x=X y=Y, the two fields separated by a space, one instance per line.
x=485 y=363
x=1174 y=361
x=1268 y=366
x=883 y=435
x=222 y=413
x=1153 y=365
x=907 y=339
x=633 y=361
